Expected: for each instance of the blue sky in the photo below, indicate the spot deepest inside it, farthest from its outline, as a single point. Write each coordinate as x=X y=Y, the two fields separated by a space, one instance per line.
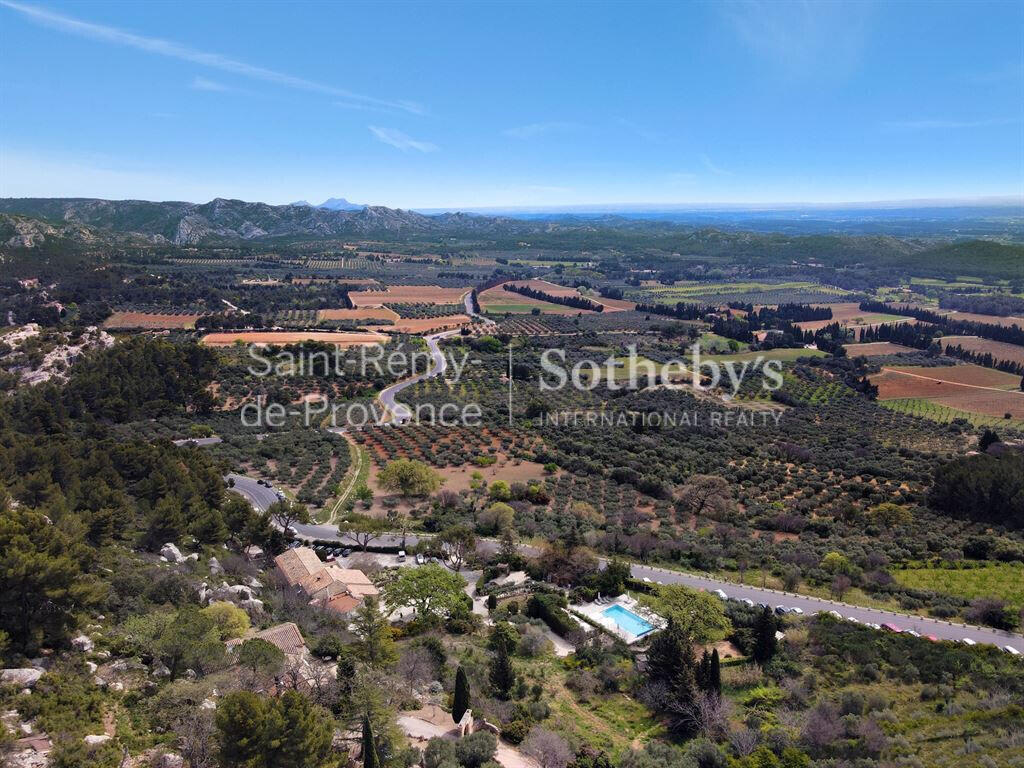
x=512 y=104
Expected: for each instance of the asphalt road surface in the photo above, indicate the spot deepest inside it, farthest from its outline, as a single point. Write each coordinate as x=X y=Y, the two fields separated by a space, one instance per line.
x=468 y=301
x=198 y=441
x=438 y=365
x=262 y=497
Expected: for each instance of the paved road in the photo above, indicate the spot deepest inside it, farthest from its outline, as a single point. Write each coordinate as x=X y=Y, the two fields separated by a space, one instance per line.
x=438 y=365
x=262 y=497
x=198 y=441
x=468 y=301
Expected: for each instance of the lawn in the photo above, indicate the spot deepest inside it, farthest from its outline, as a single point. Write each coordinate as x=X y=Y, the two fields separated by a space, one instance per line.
x=1001 y=580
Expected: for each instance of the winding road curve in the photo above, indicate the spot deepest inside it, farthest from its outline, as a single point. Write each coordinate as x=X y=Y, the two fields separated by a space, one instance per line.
x=438 y=364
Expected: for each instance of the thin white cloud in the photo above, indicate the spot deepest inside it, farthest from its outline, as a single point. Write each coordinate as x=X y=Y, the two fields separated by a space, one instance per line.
x=930 y=125
x=534 y=130
x=154 y=45
x=399 y=140
x=647 y=134
x=717 y=170
x=205 y=84
x=803 y=39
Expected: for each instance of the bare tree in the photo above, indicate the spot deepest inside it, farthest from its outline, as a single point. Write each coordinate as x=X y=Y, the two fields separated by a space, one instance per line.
x=706 y=495
x=416 y=667
x=709 y=714
x=547 y=748
x=840 y=584
x=822 y=727
x=744 y=742
x=196 y=739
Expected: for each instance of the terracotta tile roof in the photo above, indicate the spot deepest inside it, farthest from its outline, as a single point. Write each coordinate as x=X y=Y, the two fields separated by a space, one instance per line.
x=286 y=637
x=297 y=564
x=342 y=603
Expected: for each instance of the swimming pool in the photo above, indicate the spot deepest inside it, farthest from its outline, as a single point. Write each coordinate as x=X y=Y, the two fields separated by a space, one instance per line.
x=628 y=620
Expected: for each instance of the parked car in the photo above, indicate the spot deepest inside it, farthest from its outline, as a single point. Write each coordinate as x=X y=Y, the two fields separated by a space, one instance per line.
x=797 y=610
x=968 y=641
x=748 y=602
x=891 y=628
x=401 y=555
x=781 y=610
x=912 y=633
x=1011 y=650
x=721 y=595
x=346 y=552
x=420 y=559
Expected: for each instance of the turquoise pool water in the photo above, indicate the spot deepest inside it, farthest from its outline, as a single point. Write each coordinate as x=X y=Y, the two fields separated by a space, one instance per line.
x=628 y=620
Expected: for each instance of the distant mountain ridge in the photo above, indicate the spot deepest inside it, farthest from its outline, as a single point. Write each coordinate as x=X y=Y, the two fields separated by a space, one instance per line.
x=226 y=221
x=340 y=204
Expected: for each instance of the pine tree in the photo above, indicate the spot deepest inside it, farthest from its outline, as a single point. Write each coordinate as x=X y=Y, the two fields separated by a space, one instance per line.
x=715 y=674
x=370 y=759
x=764 y=637
x=461 y=701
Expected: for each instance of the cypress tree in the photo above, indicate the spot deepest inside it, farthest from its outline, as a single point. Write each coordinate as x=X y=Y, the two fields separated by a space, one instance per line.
x=704 y=672
x=502 y=673
x=764 y=637
x=370 y=759
x=715 y=674
x=461 y=701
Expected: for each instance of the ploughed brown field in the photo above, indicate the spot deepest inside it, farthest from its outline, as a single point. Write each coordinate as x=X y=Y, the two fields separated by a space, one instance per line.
x=149 y=320
x=610 y=305
x=360 y=313
x=964 y=387
x=849 y=313
x=955 y=314
x=342 y=339
x=424 y=324
x=498 y=300
x=876 y=348
x=1000 y=350
x=408 y=294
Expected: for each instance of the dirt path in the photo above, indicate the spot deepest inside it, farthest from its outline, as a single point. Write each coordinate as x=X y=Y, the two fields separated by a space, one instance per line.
x=951 y=383
x=354 y=470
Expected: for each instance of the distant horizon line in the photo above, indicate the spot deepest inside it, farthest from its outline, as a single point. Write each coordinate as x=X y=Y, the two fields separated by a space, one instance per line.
x=627 y=207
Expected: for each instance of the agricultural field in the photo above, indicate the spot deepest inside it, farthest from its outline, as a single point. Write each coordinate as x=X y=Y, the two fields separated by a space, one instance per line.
x=415 y=311
x=434 y=444
x=408 y=294
x=364 y=313
x=341 y=339
x=850 y=315
x=751 y=292
x=1004 y=581
x=998 y=349
x=937 y=410
x=150 y=320
x=554 y=289
x=877 y=348
x=963 y=388
x=497 y=300
x=424 y=324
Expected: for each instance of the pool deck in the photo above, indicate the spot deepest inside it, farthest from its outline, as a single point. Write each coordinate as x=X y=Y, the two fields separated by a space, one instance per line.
x=595 y=612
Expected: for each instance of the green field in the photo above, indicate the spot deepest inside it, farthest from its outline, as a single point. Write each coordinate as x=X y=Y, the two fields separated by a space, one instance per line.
x=787 y=355
x=1002 y=580
x=926 y=409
